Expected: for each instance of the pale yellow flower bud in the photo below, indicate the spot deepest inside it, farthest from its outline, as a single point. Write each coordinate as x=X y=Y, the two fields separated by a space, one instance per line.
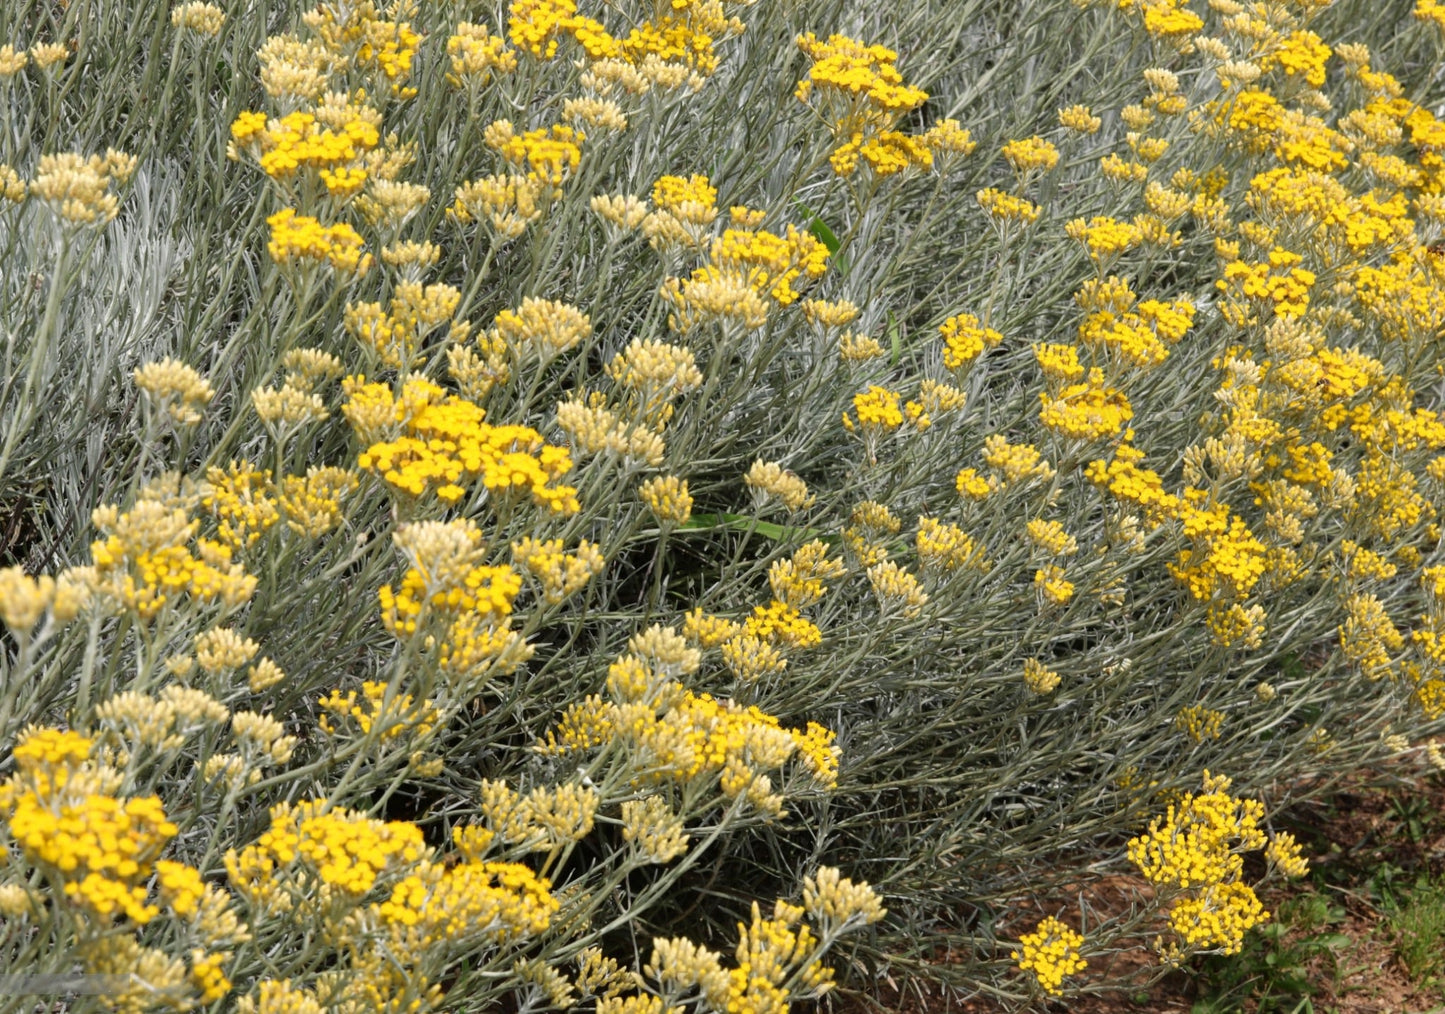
x=221 y=649
x=198 y=17
x=23 y=599
x=836 y=901
x=667 y=498
x=176 y=389
x=264 y=675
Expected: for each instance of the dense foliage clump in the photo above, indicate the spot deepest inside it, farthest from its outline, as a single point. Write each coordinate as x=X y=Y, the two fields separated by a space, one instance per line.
x=601 y=505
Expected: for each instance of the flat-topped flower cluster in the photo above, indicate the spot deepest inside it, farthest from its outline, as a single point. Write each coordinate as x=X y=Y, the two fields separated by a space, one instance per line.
x=487 y=502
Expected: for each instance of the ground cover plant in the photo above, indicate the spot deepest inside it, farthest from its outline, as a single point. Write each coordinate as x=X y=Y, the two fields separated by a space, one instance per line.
x=663 y=506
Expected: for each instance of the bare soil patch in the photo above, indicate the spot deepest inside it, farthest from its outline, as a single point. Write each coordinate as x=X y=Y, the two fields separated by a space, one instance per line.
x=1370 y=842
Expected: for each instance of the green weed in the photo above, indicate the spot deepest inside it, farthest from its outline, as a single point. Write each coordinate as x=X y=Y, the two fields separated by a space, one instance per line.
x=1418 y=927
x=1282 y=967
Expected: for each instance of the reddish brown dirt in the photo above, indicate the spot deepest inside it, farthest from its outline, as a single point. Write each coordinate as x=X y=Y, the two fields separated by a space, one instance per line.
x=1386 y=823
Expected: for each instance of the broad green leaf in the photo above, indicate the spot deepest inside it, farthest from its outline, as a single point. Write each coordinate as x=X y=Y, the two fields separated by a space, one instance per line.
x=827 y=237
x=743 y=523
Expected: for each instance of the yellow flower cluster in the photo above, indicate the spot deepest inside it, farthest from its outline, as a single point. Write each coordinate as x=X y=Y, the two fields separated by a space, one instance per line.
x=344 y=850
x=440 y=441
x=145 y=561
x=684 y=37
x=559 y=574
x=666 y=496
x=420 y=908
x=801 y=580
x=300 y=239
x=651 y=376
x=1080 y=119
x=777 y=958
x=965 y=339
x=756 y=647
x=1104 y=238
x=1302 y=53
x=1050 y=952
x=1199 y=723
x=476 y=55
x=1086 y=411
x=1040 y=680
x=874 y=411
x=1197 y=849
x=509 y=203
x=98 y=849
x=24 y=599
x=1278 y=284
x=396 y=335
x=549 y=154
x=297 y=142
x=776 y=961
x=648 y=377
x=676 y=47
x=312 y=504
x=175 y=389
x=1051 y=537
x=684 y=209
x=391 y=714
x=535 y=25
x=849 y=67
x=768 y=478
x=897 y=589
x=1052 y=586
x=1013 y=464
x=1169 y=21
x=1007 y=211
x=860 y=93
x=943 y=547
x=669 y=734
x=1139 y=333
x=238 y=496
x=448 y=589
x=198 y=17
x=498 y=902
x=749 y=270
x=1030 y=154
x=771 y=263
x=80 y=192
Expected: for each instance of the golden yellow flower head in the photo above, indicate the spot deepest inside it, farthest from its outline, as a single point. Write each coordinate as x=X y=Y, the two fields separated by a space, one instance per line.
x=1050 y=953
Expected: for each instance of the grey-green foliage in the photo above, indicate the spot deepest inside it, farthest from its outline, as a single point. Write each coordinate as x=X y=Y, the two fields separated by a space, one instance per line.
x=961 y=794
